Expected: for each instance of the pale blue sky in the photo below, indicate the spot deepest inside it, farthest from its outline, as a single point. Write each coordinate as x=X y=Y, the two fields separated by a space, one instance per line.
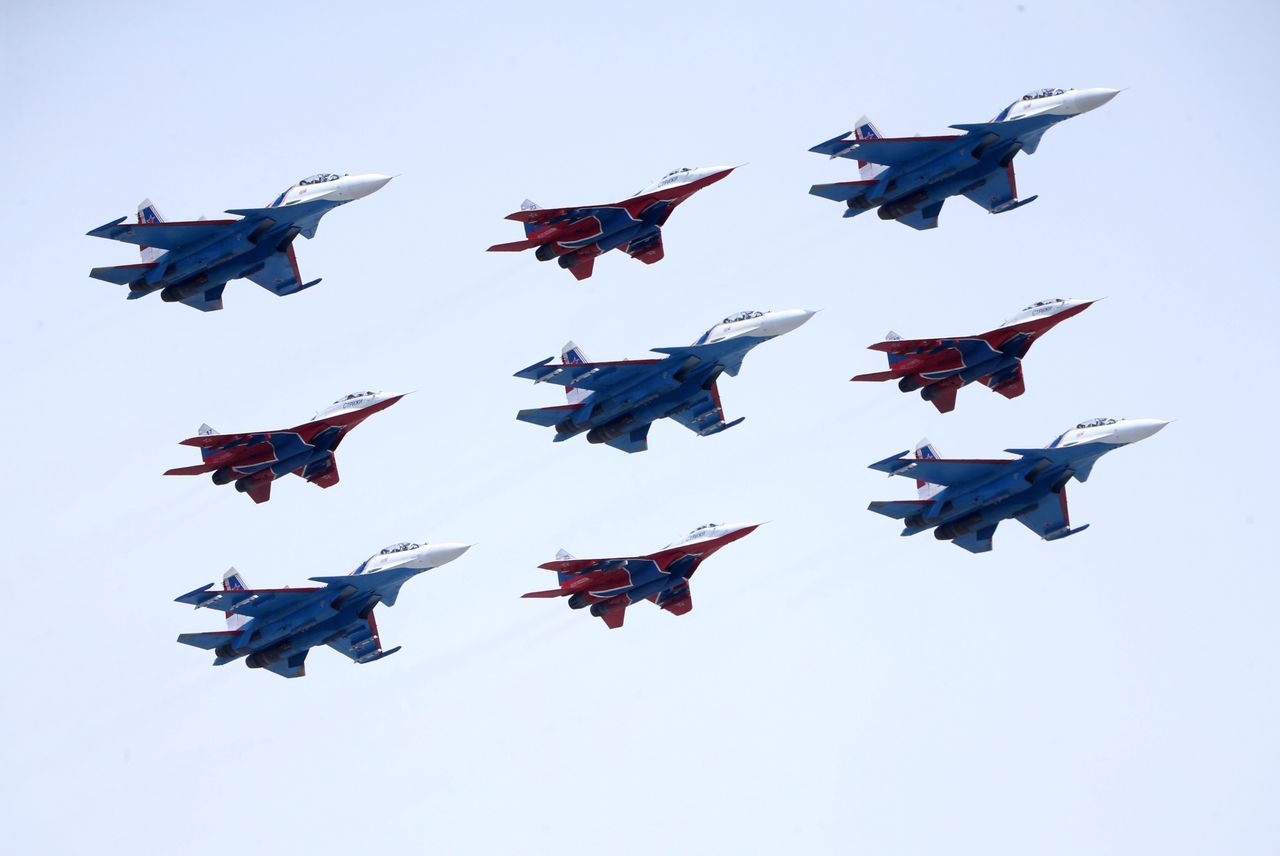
x=836 y=688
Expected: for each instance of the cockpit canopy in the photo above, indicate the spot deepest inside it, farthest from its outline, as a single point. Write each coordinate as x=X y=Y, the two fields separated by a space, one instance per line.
x=666 y=179
x=1042 y=93
x=320 y=178
x=745 y=315
x=704 y=529
x=1096 y=423
x=354 y=396
x=398 y=548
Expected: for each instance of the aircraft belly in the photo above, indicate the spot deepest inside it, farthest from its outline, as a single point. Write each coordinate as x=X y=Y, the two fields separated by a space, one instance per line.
x=1002 y=506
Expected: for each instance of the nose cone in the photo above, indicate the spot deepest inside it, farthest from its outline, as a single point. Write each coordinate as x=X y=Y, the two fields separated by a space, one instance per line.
x=1084 y=100
x=712 y=174
x=360 y=186
x=443 y=554
x=786 y=320
x=1133 y=430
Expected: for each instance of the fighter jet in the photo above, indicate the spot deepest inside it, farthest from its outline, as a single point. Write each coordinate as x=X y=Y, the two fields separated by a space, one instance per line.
x=609 y=586
x=963 y=501
x=616 y=402
x=256 y=459
x=275 y=629
x=908 y=178
x=939 y=367
x=575 y=236
x=191 y=262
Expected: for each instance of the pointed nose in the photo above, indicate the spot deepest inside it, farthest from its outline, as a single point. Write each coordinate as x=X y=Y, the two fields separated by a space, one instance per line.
x=1133 y=430
x=443 y=554
x=787 y=320
x=712 y=174
x=362 y=185
x=1084 y=100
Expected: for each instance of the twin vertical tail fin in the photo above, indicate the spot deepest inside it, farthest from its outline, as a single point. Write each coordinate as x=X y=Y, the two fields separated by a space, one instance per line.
x=530 y=205
x=148 y=213
x=232 y=581
x=867 y=130
x=563 y=555
x=572 y=355
x=925 y=451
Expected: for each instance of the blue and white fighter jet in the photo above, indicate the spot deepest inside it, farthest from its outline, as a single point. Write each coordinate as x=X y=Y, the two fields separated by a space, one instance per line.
x=963 y=501
x=192 y=262
x=274 y=629
x=616 y=402
x=908 y=178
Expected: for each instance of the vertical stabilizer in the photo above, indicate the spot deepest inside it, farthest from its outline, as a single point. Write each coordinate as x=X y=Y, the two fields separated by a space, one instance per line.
x=867 y=130
x=232 y=581
x=571 y=355
x=530 y=205
x=148 y=213
x=926 y=451
x=563 y=555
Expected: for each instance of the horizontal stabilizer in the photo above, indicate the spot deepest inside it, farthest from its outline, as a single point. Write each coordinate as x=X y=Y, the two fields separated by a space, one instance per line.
x=834 y=145
x=122 y=274
x=209 y=640
x=537 y=215
x=899 y=509
x=547 y=416
x=514 y=246
x=193 y=470
x=842 y=191
x=723 y=426
x=547 y=593
x=876 y=376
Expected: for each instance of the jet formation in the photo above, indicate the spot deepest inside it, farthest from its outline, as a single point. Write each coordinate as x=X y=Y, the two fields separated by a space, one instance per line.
x=191 y=262
x=963 y=501
x=940 y=367
x=615 y=402
x=275 y=629
x=575 y=236
x=254 y=460
x=908 y=178
x=609 y=586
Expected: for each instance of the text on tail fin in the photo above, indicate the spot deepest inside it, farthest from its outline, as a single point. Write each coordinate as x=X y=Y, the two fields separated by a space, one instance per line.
x=925 y=451
x=572 y=355
x=232 y=581
x=149 y=214
x=867 y=130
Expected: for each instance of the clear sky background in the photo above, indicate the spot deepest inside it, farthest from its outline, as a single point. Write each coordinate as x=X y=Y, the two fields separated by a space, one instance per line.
x=836 y=688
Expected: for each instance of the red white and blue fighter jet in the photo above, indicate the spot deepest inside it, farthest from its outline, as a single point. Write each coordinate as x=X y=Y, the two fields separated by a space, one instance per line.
x=908 y=178
x=939 y=367
x=254 y=460
x=275 y=629
x=192 y=262
x=964 y=500
x=575 y=236
x=609 y=586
